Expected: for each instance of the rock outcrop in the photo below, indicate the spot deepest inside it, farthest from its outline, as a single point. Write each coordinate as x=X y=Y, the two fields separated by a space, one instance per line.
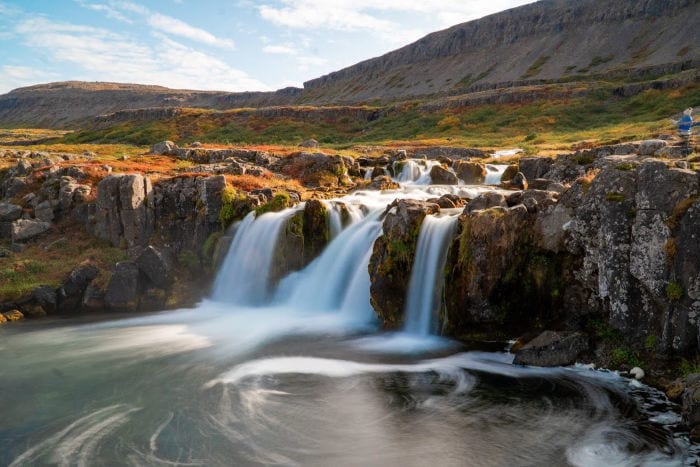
x=392 y=258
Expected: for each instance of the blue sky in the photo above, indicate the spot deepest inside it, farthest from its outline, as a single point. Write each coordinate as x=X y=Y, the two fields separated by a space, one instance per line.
x=229 y=45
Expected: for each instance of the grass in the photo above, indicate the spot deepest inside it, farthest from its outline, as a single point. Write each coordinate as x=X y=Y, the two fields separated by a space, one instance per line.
x=599 y=118
x=48 y=261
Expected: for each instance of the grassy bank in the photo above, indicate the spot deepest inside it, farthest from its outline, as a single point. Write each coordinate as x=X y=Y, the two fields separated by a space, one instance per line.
x=600 y=117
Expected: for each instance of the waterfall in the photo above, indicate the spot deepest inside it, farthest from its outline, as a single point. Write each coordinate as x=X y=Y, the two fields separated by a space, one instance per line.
x=413 y=171
x=244 y=275
x=425 y=286
x=494 y=173
x=337 y=280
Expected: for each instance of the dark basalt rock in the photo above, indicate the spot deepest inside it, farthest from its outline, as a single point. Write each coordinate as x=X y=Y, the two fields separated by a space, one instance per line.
x=552 y=349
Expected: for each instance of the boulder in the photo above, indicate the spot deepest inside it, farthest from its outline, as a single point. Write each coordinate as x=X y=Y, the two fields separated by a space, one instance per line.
x=651 y=146
x=44 y=211
x=486 y=200
x=509 y=173
x=164 y=147
x=441 y=176
x=70 y=294
x=157 y=266
x=122 y=292
x=552 y=349
x=309 y=143
x=535 y=167
x=519 y=181
x=471 y=173
x=690 y=401
x=9 y=212
x=46 y=297
x=383 y=182
x=24 y=229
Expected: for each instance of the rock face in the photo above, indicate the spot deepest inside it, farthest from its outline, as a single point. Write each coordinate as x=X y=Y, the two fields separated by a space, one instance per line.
x=124 y=215
x=123 y=289
x=552 y=349
x=455 y=59
x=392 y=258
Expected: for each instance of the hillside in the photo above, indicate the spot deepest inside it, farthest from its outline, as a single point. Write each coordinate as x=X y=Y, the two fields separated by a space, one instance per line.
x=72 y=103
x=548 y=42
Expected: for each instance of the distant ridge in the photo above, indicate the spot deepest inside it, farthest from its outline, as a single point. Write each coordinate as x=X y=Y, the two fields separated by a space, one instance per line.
x=548 y=41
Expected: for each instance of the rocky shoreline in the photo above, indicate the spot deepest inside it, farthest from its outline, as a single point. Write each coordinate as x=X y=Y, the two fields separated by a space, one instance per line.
x=596 y=251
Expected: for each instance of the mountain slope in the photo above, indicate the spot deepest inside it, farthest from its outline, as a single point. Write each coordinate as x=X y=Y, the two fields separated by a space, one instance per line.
x=547 y=40
x=71 y=103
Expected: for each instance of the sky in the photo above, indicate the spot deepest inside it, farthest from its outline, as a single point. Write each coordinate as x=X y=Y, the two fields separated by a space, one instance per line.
x=227 y=45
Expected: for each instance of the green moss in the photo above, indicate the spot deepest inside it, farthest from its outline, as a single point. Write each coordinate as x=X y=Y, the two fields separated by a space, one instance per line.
x=278 y=202
x=615 y=197
x=650 y=342
x=688 y=367
x=232 y=206
x=210 y=245
x=674 y=291
x=189 y=260
x=624 y=356
x=625 y=167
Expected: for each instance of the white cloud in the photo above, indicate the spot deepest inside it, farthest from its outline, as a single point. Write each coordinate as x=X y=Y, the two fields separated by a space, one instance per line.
x=280 y=50
x=374 y=16
x=106 y=9
x=174 y=26
x=101 y=55
x=12 y=77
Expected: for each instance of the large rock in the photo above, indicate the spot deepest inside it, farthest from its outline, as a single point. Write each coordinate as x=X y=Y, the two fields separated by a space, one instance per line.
x=486 y=200
x=471 y=173
x=392 y=258
x=441 y=176
x=70 y=294
x=123 y=289
x=535 y=167
x=25 y=229
x=157 y=266
x=315 y=169
x=552 y=349
x=187 y=210
x=164 y=147
x=651 y=146
x=46 y=297
x=9 y=212
x=383 y=182
x=124 y=214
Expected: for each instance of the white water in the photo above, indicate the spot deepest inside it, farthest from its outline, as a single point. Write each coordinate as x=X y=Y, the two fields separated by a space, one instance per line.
x=423 y=296
x=494 y=173
x=244 y=275
x=414 y=171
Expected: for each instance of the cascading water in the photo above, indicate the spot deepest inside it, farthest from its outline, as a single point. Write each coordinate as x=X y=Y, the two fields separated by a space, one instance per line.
x=425 y=286
x=494 y=173
x=244 y=275
x=414 y=171
x=263 y=378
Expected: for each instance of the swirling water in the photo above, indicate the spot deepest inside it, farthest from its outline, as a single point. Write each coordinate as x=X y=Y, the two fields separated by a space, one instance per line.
x=294 y=376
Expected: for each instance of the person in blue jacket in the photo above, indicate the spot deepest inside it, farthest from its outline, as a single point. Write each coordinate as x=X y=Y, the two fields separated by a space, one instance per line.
x=685 y=129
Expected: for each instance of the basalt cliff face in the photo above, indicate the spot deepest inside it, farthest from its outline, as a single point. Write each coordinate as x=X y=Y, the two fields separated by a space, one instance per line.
x=548 y=41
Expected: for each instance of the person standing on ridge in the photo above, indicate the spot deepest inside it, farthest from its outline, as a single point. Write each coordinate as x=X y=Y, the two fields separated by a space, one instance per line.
x=685 y=130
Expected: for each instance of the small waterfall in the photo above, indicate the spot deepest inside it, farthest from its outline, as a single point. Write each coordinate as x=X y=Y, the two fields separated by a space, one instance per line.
x=337 y=280
x=425 y=287
x=414 y=171
x=341 y=215
x=244 y=275
x=494 y=173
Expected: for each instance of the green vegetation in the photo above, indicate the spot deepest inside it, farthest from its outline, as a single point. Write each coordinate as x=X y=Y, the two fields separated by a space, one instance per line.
x=625 y=167
x=599 y=117
x=674 y=291
x=650 y=342
x=278 y=202
x=230 y=206
x=615 y=197
x=624 y=356
x=535 y=67
x=688 y=367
